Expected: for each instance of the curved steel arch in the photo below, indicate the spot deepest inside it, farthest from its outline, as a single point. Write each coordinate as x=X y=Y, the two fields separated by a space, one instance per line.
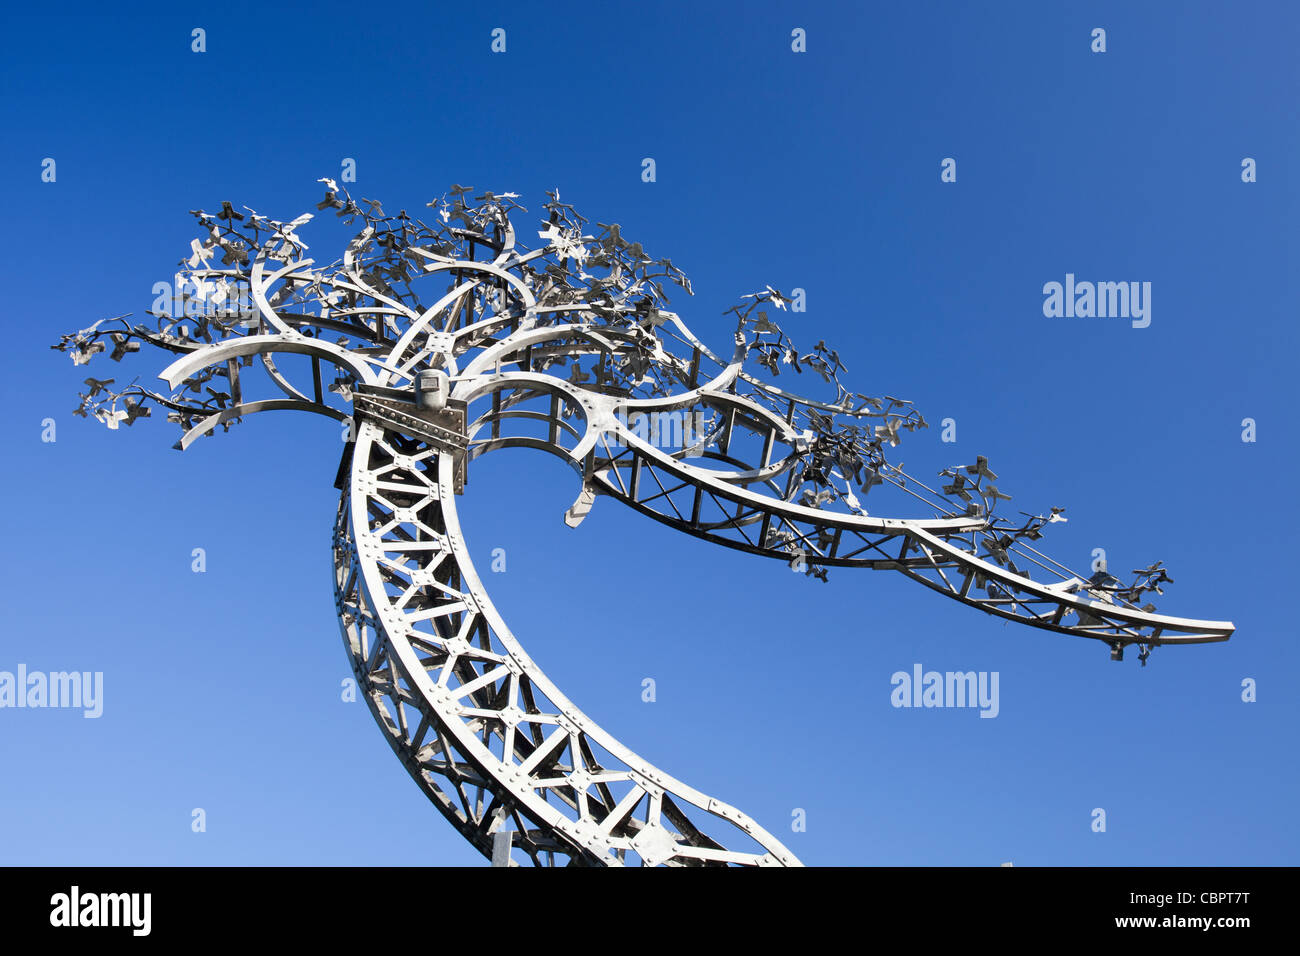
x=430 y=388
x=477 y=724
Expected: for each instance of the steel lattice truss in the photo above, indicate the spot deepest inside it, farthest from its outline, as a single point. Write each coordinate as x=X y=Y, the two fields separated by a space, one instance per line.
x=442 y=342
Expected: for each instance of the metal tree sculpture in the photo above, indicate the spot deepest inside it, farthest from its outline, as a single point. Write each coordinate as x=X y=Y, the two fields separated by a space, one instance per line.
x=451 y=340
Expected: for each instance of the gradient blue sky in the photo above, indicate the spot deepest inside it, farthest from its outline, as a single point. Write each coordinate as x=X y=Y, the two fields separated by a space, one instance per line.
x=816 y=170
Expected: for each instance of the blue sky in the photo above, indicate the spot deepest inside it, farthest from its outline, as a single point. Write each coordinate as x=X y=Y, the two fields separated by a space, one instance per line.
x=817 y=170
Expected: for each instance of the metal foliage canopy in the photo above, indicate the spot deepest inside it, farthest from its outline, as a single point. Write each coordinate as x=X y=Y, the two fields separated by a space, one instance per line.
x=447 y=339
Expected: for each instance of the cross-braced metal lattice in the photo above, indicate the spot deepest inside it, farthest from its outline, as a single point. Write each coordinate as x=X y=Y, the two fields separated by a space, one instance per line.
x=450 y=340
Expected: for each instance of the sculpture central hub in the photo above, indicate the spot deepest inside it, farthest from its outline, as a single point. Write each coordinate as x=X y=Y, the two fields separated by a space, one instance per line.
x=443 y=428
